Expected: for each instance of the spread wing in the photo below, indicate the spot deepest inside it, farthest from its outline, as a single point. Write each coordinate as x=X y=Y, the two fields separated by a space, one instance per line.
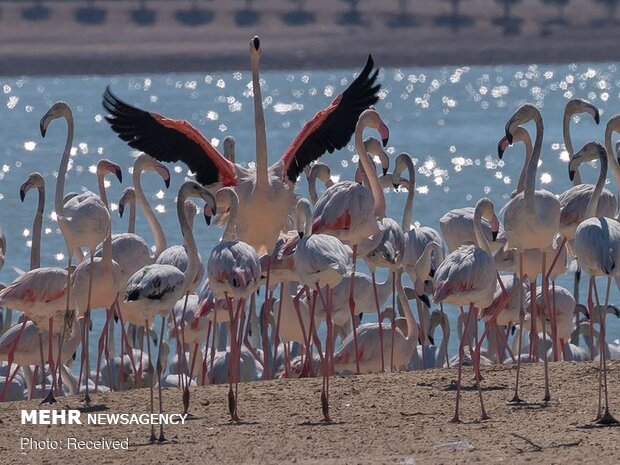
x=330 y=129
x=168 y=140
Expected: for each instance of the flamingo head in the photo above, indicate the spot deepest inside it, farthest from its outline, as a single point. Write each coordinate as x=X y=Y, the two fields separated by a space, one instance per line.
x=105 y=166
x=374 y=147
x=589 y=152
x=524 y=114
x=255 y=49
x=129 y=195
x=34 y=180
x=229 y=145
x=370 y=118
x=485 y=206
x=403 y=162
x=576 y=105
x=58 y=110
x=193 y=189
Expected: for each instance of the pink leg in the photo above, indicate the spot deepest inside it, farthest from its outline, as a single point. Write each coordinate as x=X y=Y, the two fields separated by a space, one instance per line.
x=352 y=309
x=374 y=288
x=456 y=418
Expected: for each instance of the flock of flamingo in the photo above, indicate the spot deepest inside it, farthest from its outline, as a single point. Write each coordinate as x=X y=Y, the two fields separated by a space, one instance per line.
x=308 y=249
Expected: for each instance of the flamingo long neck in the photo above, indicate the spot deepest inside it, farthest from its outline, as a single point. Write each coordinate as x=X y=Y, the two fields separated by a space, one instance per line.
x=306 y=214
x=373 y=180
x=314 y=196
x=131 y=226
x=408 y=211
x=103 y=195
x=35 y=251
x=412 y=326
x=156 y=229
x=188 y=241
x=611 y=155
x=532 y=166
x=259 y=126
x=596 y=195
x=480 y=239
x=528 y=156
x=64 y=162
x=423 y=265
x=106 y=255
x=568 y=143
x=230 y=233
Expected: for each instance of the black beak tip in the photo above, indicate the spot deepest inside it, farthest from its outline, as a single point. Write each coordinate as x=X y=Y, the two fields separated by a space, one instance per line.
x=384 y=170
x=424 y=298
x=256 y=43
x=385 y=141
x=597 y=117
x=395 y=186
x=167 y=183
x=494 y=235
x=43 y=130
x=208 y=219
x=431 y=273
x=121 y=210
x=119 y=175
x=301 y=234
x=571 y=174
x=500 y=151
x=22 y=194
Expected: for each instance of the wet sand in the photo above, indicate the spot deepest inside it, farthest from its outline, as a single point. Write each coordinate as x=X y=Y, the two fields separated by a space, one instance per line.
x=385 y=418
x=116 y=36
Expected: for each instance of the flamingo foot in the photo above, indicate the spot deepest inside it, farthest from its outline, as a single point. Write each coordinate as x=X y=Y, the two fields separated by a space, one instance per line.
x=153 y=438
x=49 y=399
x=456 y=419
x=515 y=401
x=161 y=438
x=185 y=400
x=547 y=397
x=87 y=401
x=325 y=408
x=607 y=419
x=484 y=416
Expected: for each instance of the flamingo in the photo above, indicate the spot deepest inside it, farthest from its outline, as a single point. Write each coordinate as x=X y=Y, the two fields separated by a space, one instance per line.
x=597 y=245
x=531 y=219
x=154 y=289
x=573 y=107
x=41 y=292
x=321 y=261
x=234 y=273
x=84 y=219
x=175 y=140
x=416 y=238
x=467 y=276
x=130 y=250
x=348 y=210
x=404 y=340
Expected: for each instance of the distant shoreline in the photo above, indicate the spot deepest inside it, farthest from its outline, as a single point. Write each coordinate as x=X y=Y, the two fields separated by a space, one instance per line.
x=65 y=38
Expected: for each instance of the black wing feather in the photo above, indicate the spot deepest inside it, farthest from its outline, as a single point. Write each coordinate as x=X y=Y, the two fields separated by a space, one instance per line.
x=143 y=132
x=336 y=131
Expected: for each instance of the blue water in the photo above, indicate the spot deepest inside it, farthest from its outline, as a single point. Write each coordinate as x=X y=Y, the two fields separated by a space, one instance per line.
x=449 y=119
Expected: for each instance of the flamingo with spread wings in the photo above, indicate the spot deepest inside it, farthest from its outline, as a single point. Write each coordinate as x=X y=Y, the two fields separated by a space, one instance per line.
x=175 y=140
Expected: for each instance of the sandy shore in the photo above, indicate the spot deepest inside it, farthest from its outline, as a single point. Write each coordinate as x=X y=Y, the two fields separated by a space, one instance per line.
x=389 y=418
x=116 y=36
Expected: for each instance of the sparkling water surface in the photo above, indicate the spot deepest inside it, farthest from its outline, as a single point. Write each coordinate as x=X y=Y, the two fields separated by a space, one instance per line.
x=449 y=119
